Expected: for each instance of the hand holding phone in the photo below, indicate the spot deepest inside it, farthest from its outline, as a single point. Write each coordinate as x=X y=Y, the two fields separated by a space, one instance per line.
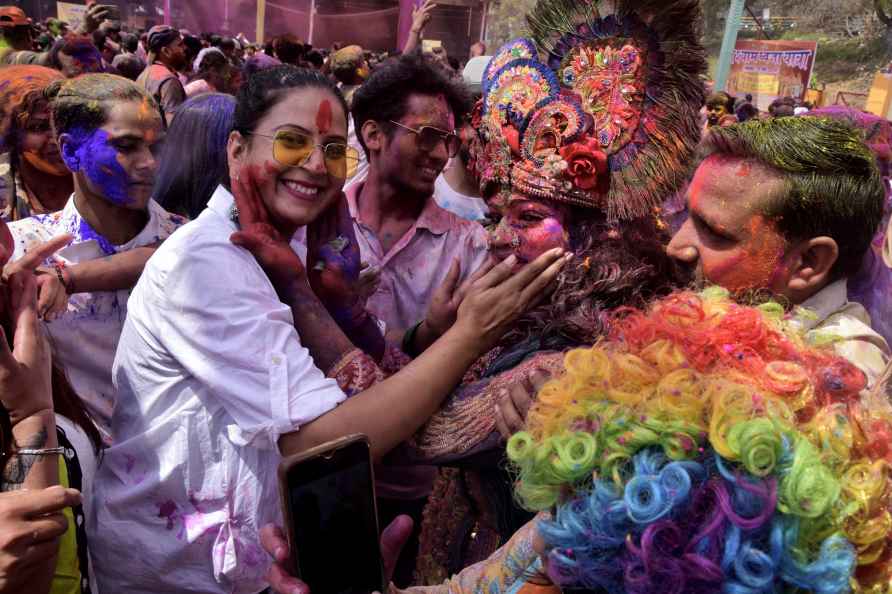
x=280 y=577
x=328 y=501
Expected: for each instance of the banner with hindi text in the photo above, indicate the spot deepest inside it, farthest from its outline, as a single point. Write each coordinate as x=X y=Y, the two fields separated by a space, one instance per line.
x=769 y=69
x=71 y=13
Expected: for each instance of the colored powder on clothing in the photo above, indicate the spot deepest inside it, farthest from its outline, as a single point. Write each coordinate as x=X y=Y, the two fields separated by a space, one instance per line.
x=98 y=160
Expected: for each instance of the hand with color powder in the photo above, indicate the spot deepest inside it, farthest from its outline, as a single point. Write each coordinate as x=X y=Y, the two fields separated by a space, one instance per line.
x=333 y=264
x=260 y=237
x=333 y=260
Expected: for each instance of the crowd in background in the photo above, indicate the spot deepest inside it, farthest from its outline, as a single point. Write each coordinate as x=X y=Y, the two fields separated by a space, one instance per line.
x=218 y=253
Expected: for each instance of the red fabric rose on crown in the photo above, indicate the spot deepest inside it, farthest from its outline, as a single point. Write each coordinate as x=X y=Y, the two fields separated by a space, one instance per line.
x=587 y=165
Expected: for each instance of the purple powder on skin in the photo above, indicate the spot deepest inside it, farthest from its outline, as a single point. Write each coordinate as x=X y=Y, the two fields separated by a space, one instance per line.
x=98 y=160
x=85 y=232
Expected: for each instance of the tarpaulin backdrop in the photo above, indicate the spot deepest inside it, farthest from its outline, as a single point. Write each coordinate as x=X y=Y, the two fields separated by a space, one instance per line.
x=374 y=24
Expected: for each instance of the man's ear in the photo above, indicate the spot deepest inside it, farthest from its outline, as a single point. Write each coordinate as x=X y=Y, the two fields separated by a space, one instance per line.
x=69 y=150
x=373 y=135
x=812 y=262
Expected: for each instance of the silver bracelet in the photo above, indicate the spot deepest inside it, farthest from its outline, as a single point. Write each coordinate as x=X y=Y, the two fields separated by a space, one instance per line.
x=42 y=452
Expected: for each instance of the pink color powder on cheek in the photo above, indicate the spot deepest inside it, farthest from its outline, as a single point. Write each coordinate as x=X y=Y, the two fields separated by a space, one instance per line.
x=539 y=239
x=757 y=263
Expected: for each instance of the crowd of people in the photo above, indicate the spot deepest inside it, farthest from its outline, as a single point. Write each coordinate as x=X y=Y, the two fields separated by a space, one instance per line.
x=605 y=330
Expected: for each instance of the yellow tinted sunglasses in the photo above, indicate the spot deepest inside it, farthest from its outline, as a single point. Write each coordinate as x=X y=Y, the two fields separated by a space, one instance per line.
x=294 y=149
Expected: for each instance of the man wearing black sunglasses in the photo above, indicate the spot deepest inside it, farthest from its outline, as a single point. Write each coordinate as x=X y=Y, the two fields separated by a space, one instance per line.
x=405 y=115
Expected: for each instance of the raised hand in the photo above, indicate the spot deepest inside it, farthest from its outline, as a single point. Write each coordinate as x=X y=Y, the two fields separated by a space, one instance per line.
x=421 y=15
x=258 y=235
x=94 y=16
x=443 y=308
x=52 y=294
x=497 y=299
x=333 y=260
x=25 y=384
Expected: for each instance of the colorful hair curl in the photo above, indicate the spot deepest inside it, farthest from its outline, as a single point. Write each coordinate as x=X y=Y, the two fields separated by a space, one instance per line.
x=705 y=447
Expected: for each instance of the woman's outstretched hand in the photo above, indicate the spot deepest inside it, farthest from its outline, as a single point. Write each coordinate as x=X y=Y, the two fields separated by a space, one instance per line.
x=496 y=300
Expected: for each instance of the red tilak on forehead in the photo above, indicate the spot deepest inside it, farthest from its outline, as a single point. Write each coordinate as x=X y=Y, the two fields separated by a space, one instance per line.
x=323 y=117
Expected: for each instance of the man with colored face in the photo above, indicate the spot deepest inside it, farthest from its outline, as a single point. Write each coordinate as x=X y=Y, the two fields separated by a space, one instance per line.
x=167 y=56
x=406 y=115
x=788 y=207
x=108 y=131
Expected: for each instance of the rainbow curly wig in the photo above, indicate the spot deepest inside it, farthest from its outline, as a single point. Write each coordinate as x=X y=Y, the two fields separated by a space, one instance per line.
x=704 y=447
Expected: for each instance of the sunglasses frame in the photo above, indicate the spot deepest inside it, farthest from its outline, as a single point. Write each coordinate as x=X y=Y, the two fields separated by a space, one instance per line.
x=349 y=154
x=444 y=137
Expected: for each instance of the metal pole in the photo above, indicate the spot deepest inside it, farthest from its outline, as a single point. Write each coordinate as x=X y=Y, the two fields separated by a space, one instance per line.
x=166 y=12
x=261 y=20
x=312 y=21
x=732 y=26
x=483 y=21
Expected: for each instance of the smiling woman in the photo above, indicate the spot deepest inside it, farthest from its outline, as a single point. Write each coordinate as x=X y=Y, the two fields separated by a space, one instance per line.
x=35 y=180
x=230 y=347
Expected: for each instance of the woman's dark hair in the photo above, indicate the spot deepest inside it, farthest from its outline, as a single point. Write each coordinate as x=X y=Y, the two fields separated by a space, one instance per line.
x=264 y=90
x=288 y=48
x=216 y=69
x=747 y=111
x=82 y=103
x=189 y=171
x=130 y=42
x=624 y=264
x=385 y=95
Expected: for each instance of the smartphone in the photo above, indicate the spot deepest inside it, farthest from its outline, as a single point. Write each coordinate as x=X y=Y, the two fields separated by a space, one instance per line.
x=328 y=501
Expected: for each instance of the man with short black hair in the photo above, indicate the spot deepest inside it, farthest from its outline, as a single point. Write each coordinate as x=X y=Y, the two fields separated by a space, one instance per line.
x=788 y=207
x=167 y=56
x=405 y=116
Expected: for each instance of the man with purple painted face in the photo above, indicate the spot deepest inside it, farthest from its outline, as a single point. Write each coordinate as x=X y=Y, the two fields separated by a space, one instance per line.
x=108 y=130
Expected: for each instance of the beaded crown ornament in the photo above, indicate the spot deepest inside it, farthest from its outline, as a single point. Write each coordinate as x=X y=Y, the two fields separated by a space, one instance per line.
x=598 y=109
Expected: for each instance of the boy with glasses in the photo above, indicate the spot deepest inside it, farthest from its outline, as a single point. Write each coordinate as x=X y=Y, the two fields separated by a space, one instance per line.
x=406 y=115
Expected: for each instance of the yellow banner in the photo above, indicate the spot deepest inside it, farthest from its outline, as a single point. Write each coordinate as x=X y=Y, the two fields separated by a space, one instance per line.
x=754 y=82
x=73 y=14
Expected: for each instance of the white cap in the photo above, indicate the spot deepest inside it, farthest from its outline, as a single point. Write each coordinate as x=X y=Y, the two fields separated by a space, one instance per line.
x=473 y=72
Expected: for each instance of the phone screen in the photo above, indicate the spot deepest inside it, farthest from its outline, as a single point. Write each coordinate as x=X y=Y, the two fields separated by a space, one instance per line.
x=335 y=529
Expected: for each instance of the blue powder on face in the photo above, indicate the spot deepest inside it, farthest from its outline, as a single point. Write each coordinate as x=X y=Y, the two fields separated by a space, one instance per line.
x=98 y=160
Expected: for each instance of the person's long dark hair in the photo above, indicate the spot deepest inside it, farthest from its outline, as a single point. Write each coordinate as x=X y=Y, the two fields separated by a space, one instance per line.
x=193 y=160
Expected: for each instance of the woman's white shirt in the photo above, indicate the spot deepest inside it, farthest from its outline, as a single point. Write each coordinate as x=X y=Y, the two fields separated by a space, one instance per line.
x=210 y=373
